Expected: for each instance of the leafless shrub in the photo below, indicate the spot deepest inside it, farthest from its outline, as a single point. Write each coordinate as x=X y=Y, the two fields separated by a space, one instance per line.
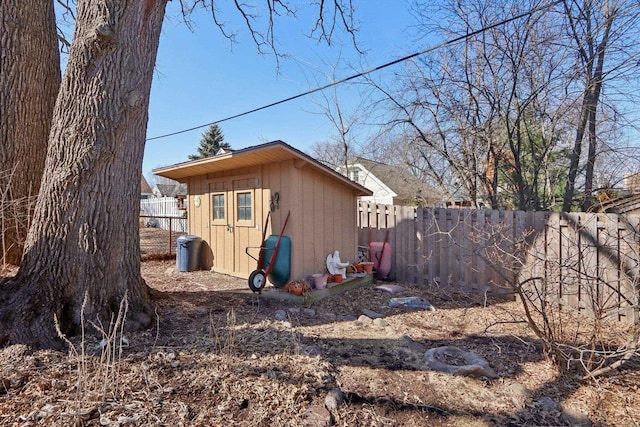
x=224 y=337
x=111 y=345
x=98 y=379
x=15 y=216
x=578 y=284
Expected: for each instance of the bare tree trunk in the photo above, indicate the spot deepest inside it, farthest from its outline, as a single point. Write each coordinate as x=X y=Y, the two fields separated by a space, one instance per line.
x=592 y=56
x=575 y=157
x=591 y=160
x=85 y=237
x=593 y=140
x=29 y=82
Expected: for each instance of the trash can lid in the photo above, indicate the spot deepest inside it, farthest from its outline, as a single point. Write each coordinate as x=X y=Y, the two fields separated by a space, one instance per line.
x=189 y=237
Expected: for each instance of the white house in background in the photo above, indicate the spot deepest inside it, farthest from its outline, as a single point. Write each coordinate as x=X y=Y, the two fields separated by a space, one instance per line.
x=392 y=185
x=177 y=190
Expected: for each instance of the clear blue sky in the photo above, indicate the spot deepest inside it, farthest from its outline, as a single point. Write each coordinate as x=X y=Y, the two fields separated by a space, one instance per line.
x=200 y=77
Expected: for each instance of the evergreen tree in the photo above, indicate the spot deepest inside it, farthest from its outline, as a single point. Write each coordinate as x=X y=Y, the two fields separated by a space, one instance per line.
x=212 y=140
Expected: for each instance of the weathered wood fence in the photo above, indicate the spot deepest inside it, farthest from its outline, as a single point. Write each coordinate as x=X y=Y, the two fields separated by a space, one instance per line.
x=587 y=260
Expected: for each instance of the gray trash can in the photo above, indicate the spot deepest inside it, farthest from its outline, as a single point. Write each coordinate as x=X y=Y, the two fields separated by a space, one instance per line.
x=188 y=253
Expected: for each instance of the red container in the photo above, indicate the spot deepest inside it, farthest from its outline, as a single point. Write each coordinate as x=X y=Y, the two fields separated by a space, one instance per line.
x=381 y=258
x=367 y=267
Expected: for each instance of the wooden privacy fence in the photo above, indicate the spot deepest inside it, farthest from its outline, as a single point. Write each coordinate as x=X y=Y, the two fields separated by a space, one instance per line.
x=587 y=260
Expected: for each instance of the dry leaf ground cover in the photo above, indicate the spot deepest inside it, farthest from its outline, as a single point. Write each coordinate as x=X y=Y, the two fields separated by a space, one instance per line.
x=219 y=356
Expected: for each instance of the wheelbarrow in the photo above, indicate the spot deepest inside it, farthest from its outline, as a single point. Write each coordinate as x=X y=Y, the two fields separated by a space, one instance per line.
x=258 y=278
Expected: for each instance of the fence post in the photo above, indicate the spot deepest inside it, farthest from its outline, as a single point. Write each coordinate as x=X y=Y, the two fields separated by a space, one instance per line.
x=170 y=233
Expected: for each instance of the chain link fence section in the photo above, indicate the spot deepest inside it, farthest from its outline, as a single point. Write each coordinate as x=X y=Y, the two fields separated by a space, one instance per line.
x=159 y=235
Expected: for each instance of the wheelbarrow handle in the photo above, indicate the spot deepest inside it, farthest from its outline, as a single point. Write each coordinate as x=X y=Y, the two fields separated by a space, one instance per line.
x=260 y=259
x=246 y=250
x=266 y=225
x=277 y=247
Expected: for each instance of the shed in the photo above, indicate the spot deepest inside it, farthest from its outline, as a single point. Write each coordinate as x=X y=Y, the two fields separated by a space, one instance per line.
x=230 y=194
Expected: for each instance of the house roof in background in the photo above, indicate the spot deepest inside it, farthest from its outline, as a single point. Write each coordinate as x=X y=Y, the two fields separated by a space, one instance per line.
x=144 y=186
x=172 y=190
x=271 y=152
x=400 y=180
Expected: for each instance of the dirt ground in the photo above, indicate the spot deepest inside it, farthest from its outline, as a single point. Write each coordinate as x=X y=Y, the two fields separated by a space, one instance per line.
x=221 y=356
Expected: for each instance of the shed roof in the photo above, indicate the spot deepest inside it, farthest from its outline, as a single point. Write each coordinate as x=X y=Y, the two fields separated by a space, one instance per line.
x=271 y=152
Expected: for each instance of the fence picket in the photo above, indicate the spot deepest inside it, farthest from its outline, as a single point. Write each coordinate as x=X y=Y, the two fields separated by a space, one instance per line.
x=421 y=247
x=492 y=267
x=630 y=268
x=443 y=254
x=467 y=276
x=430 y=245
x=480 y=249
x=455 y=247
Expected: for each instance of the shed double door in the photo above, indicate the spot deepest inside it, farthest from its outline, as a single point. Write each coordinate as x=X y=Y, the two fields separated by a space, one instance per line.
x=235 y=224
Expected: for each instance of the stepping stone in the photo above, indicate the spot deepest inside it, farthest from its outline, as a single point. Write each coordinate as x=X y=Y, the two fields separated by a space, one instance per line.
x=372 y=314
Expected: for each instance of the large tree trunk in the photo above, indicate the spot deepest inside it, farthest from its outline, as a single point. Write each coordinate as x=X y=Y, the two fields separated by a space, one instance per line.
x=84 y=239
x=29 y=82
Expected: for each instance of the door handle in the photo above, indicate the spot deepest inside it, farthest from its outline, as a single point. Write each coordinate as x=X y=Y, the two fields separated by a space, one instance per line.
x=230 y=228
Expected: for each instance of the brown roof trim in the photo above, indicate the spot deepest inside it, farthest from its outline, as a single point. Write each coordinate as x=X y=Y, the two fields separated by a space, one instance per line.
x=273 y=151
x=620 y=205
x=145 y=188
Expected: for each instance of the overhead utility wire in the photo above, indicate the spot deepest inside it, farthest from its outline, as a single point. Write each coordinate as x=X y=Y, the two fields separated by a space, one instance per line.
x=364 y=73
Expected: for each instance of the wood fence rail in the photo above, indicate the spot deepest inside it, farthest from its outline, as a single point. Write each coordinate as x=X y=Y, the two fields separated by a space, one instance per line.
x=587 y=260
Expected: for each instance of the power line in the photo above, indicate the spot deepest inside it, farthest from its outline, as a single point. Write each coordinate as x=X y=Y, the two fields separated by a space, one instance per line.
x=364 y=73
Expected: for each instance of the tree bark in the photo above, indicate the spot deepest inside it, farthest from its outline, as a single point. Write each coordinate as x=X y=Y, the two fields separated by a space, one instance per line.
x=85 y=238
x=29 y=82
x=593 y=141
x=593 y=58
x=575 y=155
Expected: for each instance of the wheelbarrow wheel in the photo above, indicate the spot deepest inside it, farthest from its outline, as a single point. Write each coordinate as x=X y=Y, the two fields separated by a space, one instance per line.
x=257 y=280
